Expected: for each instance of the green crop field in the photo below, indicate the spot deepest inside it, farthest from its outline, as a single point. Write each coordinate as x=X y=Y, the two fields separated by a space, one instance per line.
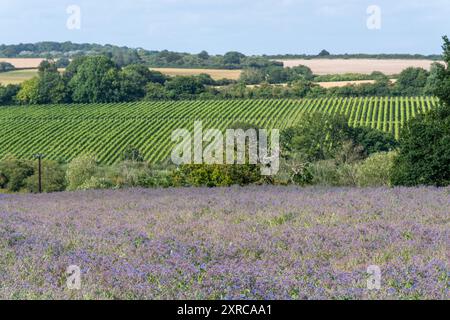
x=65 y=131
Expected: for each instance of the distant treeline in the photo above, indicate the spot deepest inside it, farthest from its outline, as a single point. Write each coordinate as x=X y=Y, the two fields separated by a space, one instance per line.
x=123 y=56
x=434 y=57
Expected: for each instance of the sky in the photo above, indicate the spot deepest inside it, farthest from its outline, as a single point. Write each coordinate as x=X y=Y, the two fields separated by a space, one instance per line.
x=248 y=26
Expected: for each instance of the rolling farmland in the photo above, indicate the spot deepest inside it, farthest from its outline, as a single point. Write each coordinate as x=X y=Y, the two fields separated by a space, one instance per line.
x=365 y=66
x=65 y=131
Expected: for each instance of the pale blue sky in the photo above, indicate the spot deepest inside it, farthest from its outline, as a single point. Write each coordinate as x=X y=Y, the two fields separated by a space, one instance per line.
x=249 y=26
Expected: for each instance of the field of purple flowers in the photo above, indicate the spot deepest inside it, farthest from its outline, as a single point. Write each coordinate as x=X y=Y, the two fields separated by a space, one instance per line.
x=235 y=243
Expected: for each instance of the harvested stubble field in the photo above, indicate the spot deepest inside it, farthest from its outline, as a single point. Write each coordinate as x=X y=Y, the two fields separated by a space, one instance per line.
x=23 y=63
x=364 y=66
x=232 y=243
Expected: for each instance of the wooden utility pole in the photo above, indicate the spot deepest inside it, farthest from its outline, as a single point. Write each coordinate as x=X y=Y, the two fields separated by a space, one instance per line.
x=39 y=156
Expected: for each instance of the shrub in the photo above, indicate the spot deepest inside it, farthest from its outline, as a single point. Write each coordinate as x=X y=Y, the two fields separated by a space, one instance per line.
x=329 y=173
x=132 y=154
x=94 y=183
x=294 y=170
x=216 y=175
x=137 y=174
x=322 y=136
x=80 y=170
x=376 y=170
x=317 y=136
x=53 y=177
x=14 y=172
x=373 y=140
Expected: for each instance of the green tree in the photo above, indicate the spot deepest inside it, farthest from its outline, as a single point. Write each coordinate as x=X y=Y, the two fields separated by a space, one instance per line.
x=80 y=171
x=156 y=91
x=51 y=87
x=411 y=81
x=424 y=157
x=47 y=87
x=233 y=58
x=6 y=66
x=29 y=92
x=184 y=87
x=252 y=76
x=96 y=80
x=317 y=136
x=434 y=78
x=300 y=73
x=8 y=94
x=14 y=172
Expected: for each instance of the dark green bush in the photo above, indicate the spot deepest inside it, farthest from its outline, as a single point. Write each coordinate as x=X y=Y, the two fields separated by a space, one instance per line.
x=53 y=177
x=424 y=157
x=14 y=172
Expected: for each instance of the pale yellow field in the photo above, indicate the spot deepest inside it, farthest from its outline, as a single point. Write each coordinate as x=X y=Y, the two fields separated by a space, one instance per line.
x=23 y=63
x=333 y=84
x=17 y=76
x=216 y=74
x=365 y=66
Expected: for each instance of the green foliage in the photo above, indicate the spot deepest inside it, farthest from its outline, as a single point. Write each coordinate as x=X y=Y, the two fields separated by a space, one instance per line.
x=133 y=154
x=323 y=53
x=233 y=58
x=130 y=174
x=29 y=92
x=95 y=80
x=156 y=91
x=183 y=87
x=5 y=67
x=8 y=94
x=133 y=80
x=53 y=177
x=80 y=171
x=424 y=157
x=62 y=62
x=252 y=76
x=434 y=79
x=376 y=171
x=216 y=175
x=47 y=87
x=14 y=172
x=275 y=74
x=348 y=77
x=442 y=89
x=373 y=140
x=412 y=81
x=294 y=170
x=329 y=173
x=121 y=56
x=95 y=183
x=317 y=136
